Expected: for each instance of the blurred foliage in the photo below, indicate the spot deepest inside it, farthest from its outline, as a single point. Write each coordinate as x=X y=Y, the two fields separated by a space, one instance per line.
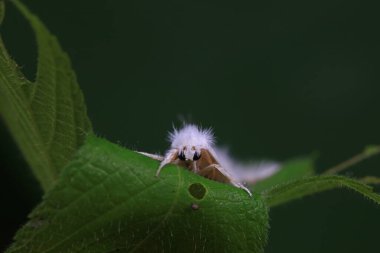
x=48 y=117
x=290 y=170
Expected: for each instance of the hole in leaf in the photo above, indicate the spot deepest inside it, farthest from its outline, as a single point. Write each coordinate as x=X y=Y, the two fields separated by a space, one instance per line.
x=197 y=190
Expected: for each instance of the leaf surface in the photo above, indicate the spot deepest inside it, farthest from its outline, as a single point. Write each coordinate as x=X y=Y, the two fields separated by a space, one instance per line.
x=109 y=200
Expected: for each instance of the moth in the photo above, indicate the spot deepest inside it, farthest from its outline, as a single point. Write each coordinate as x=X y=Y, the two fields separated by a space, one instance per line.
x=194 y=149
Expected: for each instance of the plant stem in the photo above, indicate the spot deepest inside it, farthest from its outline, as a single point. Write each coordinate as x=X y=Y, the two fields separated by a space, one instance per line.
x=370 y=180
x=367 y=153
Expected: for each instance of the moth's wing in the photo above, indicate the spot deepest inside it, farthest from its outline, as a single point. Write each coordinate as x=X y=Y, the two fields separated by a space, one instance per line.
x=247 y=172
x=153 y=156
x=210 y=167
x=217 y=173
x=207 y=158
x=254 y=172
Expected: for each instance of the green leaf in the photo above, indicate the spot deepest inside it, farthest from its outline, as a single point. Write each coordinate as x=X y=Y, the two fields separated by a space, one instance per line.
x=47 y=118
x=299 y=188
x=108 y=199
x=2 y=11
x=290 y=170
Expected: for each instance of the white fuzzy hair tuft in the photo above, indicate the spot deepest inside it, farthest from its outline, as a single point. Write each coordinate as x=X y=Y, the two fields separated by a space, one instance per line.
x=191 y=135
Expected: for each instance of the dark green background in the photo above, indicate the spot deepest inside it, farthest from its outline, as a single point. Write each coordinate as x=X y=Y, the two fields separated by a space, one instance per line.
x=275 y=79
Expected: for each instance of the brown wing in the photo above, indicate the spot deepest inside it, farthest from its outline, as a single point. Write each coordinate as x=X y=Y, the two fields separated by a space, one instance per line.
x=210 y=168
x=206 y=159
x=213 y=172
x=218 y=173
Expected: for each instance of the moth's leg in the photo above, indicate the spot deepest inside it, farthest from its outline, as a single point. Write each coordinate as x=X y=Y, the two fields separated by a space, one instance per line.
x=241 y=186
x=194 y=167
x=170 y=157
x=218 y=173
x=153 y=156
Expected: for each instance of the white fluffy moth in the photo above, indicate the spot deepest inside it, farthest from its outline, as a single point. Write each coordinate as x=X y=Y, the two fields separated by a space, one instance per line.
x=194 y=149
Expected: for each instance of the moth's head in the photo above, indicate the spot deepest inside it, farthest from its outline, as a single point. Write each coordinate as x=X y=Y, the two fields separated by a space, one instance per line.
x=189 y=153
x=189 y=141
